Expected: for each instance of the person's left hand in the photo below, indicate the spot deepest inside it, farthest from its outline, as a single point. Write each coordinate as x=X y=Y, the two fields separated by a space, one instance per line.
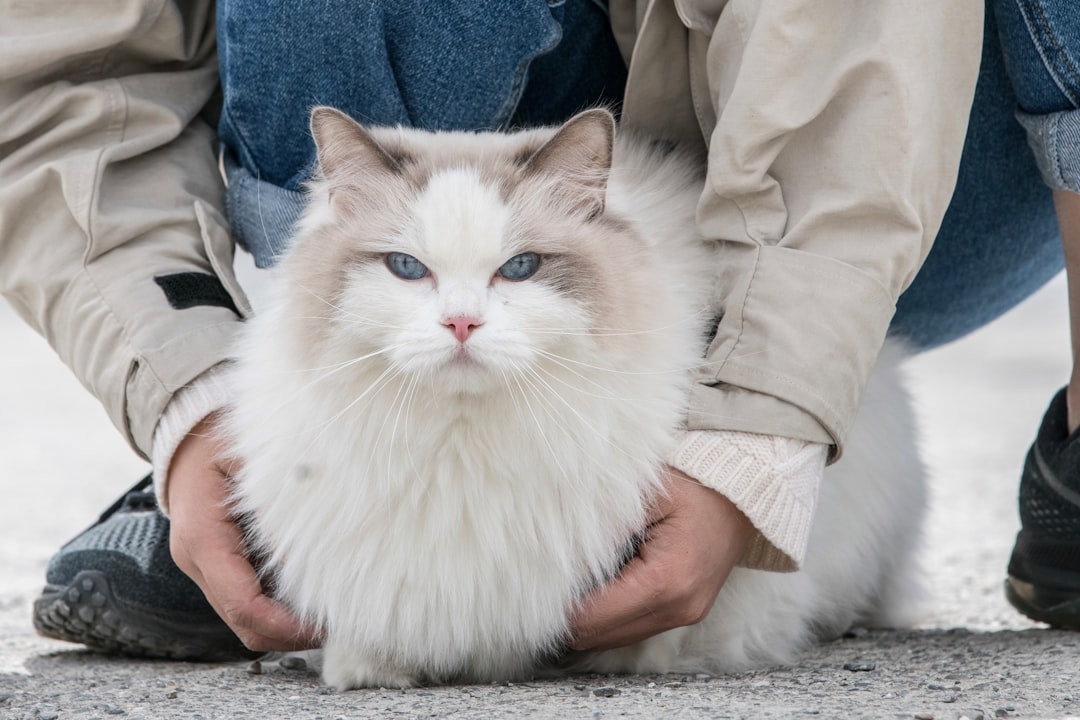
x=695 y=538
x=208 y=546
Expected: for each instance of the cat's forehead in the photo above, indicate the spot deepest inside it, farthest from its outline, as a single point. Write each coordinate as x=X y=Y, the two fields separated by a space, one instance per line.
x=461 y=214
x=461 y=218
x=460 y=202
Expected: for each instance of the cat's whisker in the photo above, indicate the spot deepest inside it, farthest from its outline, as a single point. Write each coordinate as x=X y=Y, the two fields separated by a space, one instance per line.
x=570 y=485
x=646 y=373
x=555 y=359
x=577 y=389
x=432 y=385
x=387 y=374
x=354 y=319
x=553 y=413
x=337 y=367
x=617 y=332
x=342 y=316
x=537 y=383
x=540 y=430
x=331 y=371
x=404 y=408
x=377 y=442
x=298 y=457
x=609 y=396
x=549 y=411
x=343 y=312
x=586 y=424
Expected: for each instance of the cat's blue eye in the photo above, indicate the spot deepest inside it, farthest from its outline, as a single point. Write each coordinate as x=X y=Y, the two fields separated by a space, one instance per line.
x=405 y=266
x=520 y=267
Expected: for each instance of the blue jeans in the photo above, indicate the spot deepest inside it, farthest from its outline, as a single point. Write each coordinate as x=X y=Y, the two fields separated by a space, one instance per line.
x=474 y=65
x=999 y=241
x=446 y=65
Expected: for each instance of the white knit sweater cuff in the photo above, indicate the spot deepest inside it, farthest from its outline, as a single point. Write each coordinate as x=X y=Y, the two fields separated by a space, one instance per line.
x=204 y=395
x=772 y=480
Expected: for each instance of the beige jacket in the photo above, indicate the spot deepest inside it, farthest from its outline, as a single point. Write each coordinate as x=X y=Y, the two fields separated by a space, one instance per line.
x=833 y=129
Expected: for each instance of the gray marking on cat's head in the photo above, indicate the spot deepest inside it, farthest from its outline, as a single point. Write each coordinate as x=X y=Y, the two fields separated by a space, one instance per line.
x=344 y=147
x=553 y=181
x=578 y=157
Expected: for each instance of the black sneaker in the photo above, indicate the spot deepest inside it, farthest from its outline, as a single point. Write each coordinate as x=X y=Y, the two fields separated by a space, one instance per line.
x=116 y=589
x=1044 y=570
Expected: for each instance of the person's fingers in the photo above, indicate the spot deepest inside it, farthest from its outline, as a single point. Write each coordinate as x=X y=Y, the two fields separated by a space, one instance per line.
x=654 y=592
x=233 y=589
x=208 y=546
x=687 y=555
x=617 y=614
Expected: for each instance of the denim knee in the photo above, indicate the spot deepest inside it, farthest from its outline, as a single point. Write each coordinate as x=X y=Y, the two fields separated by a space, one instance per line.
x=437 y=66
x=1055 y=140
x=1040 y=40
x=477 y=65
x=998 y=241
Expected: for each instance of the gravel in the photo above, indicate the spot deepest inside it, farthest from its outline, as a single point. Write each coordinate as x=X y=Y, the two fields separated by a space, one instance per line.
x=935 y=674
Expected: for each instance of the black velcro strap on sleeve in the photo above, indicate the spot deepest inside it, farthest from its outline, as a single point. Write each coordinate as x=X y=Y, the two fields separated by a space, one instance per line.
x=194 y=289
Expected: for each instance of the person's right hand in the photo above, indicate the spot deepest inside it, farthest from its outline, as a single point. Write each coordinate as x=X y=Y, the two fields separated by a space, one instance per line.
x=208 y=546
x=694 y=539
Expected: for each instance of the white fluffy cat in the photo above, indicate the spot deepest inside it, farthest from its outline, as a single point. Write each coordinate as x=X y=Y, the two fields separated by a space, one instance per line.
x=453 y=409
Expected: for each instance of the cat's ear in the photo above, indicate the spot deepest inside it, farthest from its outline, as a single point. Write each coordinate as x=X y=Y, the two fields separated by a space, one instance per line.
x=348 y=155
x=579 y=158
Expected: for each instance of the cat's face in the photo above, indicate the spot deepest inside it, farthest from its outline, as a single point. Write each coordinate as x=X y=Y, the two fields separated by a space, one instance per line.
x=462 y=260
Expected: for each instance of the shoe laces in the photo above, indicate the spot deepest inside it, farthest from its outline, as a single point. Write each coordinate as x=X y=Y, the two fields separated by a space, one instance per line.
x=137 y=498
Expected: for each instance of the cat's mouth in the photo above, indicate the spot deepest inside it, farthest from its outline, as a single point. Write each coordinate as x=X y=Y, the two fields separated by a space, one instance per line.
x=463 y=357
x=464 y=371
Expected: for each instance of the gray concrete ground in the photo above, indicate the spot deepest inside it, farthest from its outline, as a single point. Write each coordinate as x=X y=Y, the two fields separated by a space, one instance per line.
x=980 y=401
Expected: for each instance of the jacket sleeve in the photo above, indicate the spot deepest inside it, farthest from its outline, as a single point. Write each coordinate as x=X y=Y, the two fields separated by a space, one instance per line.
x=834 y=130
x=839 y=129
x=108 y=189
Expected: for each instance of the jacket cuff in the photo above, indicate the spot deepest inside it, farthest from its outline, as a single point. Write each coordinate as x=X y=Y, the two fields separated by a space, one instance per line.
x=207 y=394
x=796 y=343
x=773 y=480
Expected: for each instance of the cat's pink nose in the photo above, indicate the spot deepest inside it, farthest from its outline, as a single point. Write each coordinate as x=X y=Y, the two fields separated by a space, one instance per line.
x=463 y=326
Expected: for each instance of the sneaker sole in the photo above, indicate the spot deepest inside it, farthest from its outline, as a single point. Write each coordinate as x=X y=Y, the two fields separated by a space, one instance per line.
x=1043 y=605
x=87 y=611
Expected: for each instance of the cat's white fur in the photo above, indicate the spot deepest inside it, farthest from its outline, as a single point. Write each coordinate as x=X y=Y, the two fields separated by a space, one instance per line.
x=439 y=507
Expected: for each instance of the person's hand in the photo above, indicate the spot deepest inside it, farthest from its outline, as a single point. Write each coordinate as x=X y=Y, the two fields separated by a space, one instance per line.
x=209 y=547
x=695 y=538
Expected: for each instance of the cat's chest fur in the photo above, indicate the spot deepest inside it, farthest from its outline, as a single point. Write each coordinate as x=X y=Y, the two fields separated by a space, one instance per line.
x=494 y=513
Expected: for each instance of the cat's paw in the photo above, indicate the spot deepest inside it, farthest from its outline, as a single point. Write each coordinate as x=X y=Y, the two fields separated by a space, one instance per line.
x=655 y=656
x=349 y=670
